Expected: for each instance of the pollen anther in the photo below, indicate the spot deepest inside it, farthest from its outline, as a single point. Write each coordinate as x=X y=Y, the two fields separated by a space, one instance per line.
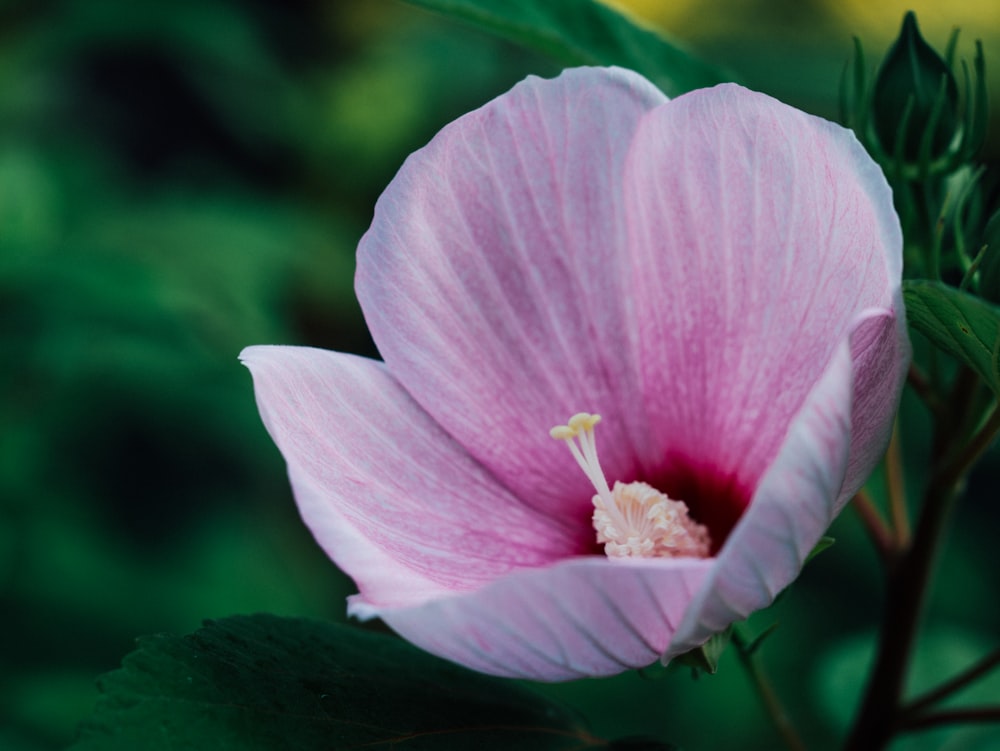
x=634 y=520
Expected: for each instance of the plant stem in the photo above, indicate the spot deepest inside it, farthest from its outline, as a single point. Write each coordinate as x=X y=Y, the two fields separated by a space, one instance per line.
x=772 y=704
x=906 y=592
x=954 y=716
x=921 y=385
x=956 y=468
x=905 y=595
x=949 y=687
x=875 y=525
x=896 y=491
x=948 y=429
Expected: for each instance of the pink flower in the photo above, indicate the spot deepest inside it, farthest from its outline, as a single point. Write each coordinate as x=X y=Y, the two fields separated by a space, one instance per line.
x=717 y=276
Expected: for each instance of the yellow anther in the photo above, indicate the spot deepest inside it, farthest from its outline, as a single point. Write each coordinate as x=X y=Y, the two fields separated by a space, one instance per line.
x=634 y=520
x=563 y=433
x=583 y=421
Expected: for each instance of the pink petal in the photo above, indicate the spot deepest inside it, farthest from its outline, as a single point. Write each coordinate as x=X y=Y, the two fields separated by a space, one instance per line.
x=393 y=500
x=793 y=506
x=758 y=234
x=582 y=617
x=491 y=279
x=735 y=311
x=880 y=349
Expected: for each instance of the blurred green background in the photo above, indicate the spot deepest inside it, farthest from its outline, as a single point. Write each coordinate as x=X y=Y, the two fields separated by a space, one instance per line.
x=181 y=179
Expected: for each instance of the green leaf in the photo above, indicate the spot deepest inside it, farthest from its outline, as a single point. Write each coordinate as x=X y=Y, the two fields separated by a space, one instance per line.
x=256 y=683
x=584 y=32
x=964 y=326
x=705 y=659
x=824 y=543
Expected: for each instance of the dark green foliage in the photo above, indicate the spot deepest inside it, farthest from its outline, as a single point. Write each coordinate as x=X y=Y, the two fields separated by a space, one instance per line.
x=965 y=327
x=263 y=682
x=584 y=32
x=989 y=282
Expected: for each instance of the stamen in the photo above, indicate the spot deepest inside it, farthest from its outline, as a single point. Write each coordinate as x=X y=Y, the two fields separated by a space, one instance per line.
x=635 y=519
x=581 y=426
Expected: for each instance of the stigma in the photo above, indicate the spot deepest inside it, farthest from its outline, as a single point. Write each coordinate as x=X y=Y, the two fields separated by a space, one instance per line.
x=632 y=520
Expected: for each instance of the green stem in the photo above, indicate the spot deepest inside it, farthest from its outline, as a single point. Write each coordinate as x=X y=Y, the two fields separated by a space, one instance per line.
x=896 y=491
x=875 y=525
x=921 y=385
x=934 y=208
x=906 y=592
x=955 y=469
x=954 y=717
x=947 y=429
x=772 y=704
x=905 y=596
x=946 y=689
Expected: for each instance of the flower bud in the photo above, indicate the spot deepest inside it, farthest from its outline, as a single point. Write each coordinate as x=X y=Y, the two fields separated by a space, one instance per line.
x=915 y=99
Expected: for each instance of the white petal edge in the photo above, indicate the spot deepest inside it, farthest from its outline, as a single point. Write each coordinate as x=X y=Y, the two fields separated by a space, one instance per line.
x=582 y=617
x=796 y=501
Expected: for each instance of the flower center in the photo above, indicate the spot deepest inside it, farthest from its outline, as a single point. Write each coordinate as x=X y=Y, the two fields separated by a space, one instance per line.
x=633 y=520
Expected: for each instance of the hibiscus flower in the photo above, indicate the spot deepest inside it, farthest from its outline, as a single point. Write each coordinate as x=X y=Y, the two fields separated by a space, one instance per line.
x=715 y=279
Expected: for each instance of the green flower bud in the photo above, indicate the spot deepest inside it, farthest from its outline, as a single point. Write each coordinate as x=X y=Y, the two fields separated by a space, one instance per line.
x=915 y=97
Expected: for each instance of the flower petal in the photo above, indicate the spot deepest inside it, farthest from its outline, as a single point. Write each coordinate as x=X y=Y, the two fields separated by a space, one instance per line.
x=880 y=349
x=581 y=617
x=490 y=278
x=759 y=234
x=792 y=507
x=393 y=500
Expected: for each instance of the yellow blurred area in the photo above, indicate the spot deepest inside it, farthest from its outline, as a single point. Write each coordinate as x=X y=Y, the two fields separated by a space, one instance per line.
x=797 y=50
x=877 y=22
x=977 y=19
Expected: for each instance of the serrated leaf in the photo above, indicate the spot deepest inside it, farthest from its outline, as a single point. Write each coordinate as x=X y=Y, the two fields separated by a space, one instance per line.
x=257 y=683
x=584 y=32
x=965 y=327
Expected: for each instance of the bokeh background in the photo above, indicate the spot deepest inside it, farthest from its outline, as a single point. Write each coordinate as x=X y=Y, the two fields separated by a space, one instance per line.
x=182 y=178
